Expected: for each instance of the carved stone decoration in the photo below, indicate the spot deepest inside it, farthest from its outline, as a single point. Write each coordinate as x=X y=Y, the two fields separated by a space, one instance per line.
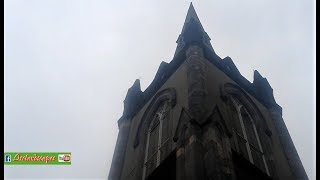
x=217 y=119
x=216 y=141
x=189 y=149
x=196 y=75
x=181 y=126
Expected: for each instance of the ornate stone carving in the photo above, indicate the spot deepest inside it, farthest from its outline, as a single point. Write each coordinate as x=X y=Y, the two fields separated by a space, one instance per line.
x=217 y=148
x=197 y=92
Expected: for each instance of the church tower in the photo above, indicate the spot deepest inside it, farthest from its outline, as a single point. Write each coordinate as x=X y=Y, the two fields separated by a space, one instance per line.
x=200 y=119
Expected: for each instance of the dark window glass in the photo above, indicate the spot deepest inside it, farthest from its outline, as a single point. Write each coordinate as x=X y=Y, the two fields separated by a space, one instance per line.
x=236 y=121
x=151 y=164
x=242 y=147
x=257 y=158
x=251 y=135
x=165 y=128
x=153 y=140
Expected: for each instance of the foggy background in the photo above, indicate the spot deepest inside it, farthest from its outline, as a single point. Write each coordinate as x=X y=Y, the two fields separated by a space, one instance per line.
x=69 y=64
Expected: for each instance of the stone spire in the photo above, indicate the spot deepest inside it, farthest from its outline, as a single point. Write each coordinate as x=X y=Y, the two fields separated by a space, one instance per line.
x=192 y=31
x=191 y=15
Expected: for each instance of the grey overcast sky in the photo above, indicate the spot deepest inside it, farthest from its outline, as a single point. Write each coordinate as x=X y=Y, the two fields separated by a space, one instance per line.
x=69 y=64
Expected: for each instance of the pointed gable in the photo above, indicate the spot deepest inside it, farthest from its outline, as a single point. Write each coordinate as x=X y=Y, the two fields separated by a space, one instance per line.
x=193 y=33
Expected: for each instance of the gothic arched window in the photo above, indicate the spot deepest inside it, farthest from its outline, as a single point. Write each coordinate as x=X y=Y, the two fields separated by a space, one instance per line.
x=246 y=136
x=157 y=139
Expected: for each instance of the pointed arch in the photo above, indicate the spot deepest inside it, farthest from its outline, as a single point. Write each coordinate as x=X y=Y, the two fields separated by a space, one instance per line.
x=245 y=117
x=230 y=89
x=169 y=95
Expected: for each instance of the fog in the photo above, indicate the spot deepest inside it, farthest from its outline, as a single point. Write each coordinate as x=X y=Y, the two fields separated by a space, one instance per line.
x=69 y=64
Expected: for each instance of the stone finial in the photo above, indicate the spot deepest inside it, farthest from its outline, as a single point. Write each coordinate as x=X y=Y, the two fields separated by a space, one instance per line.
x=132 y=99
x=263 y=89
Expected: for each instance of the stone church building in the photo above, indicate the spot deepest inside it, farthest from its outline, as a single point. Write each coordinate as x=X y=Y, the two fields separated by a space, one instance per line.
x=200 y=119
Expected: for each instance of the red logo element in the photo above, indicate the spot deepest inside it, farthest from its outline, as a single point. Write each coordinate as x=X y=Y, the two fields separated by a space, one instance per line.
x=66 y=158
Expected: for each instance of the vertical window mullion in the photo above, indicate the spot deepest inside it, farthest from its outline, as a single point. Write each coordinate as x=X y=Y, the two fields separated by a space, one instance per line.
x=159 y=142
x=244 y=133
x=255 y=135
x=260 y=147
x=236 y=141
x=155 y=133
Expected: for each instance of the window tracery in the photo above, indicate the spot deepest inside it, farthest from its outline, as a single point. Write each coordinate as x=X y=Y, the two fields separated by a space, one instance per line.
x=157 y=139
x=246 y=136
